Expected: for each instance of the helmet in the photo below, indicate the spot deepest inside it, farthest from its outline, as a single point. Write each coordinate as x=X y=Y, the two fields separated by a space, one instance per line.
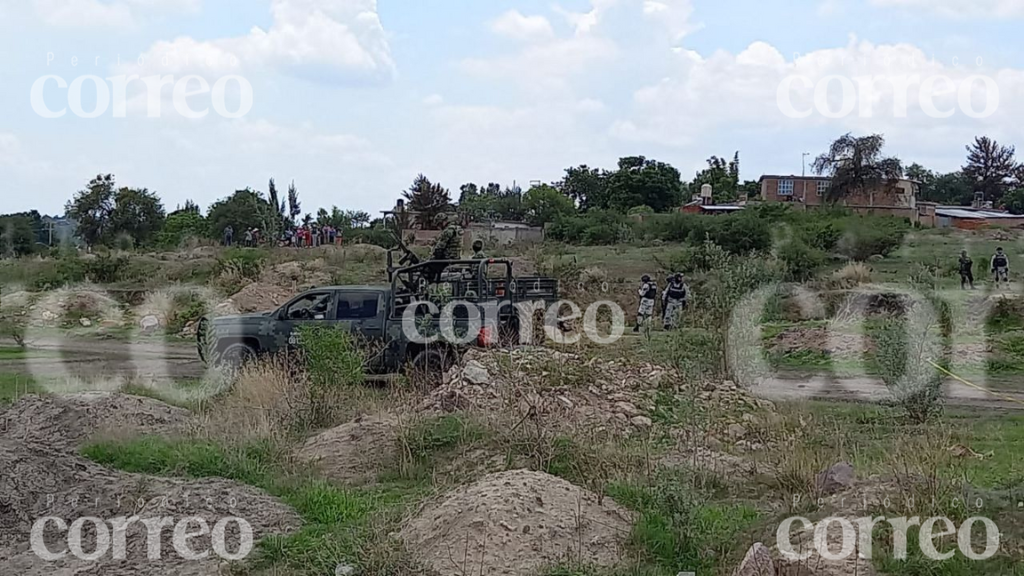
x=645 y=278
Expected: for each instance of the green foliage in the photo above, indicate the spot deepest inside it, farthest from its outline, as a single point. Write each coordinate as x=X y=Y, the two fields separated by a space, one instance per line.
x=244 y=263
x=181 y=225
x=106 y=268
x=18 y=233
x=990 y=167
x=594 y=228
x=865 y=237
x=723 y=176
x=438 y=434
x=643 y=182
x=1014 y=201
x=801 y=261
x=376 y=235
x=428 y=201
x=901 y=361
x=679 y=529
x=243 y=210
x=332 y=360
x=493 y=202
x=546 y=204
x=855 y=164
x=738 y=234
x=105 y=212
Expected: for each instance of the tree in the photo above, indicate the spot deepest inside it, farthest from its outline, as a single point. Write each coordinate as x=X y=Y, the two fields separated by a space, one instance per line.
x=586 y=186
x=181 y=224
x=92 y=208
x=952 y=189
x=990 y=167
x=243 y=210
x=856 y=164
x=294 y=206
x=138 y=214
x=544 y=204
x=428 y=201
x=643 y=182
x=722 y=175
x=1014 y=201
x=276 y=219
x=17 y=234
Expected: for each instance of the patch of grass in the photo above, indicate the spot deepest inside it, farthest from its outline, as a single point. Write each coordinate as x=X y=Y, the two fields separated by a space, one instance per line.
x=436 y=435
x=14 y=386
x=342 y=525
x=13 y=353
x=917 y=564
x=679 y=530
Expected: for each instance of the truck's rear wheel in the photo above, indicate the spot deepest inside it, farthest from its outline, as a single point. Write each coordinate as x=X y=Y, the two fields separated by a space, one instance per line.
x=429 y=366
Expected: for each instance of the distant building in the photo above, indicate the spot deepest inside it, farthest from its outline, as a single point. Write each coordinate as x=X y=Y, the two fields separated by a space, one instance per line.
x=973 y=218
x=898 y=199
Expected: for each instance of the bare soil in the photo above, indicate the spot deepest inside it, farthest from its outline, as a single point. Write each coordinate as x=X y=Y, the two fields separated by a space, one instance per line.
x=355 y=452
x=516 y=523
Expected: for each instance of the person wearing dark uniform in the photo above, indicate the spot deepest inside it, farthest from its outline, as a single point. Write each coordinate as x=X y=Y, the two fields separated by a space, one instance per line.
x=648 y=295
x=478 y=250
x=966 y=270
x=1001 y=266
x=674 y=301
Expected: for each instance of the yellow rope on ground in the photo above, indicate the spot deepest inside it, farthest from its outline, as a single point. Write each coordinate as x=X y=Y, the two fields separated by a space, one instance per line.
x=975 y=386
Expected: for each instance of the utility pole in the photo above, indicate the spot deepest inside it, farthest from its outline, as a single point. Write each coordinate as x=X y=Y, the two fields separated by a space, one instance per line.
x=803 y=160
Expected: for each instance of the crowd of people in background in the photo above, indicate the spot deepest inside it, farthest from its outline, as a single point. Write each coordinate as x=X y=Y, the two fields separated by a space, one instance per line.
x=311 y=236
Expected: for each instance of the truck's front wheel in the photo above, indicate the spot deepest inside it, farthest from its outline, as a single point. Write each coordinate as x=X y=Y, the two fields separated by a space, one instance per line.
x=428 y=366
x=236 y=355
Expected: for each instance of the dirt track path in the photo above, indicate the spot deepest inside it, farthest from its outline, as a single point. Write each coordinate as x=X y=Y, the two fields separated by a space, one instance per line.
x=88 y=359
x=865 y=389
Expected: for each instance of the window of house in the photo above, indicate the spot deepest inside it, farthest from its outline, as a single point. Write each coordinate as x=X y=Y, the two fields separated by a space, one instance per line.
x=785 y=187
x=823 y=186
x=358 y=306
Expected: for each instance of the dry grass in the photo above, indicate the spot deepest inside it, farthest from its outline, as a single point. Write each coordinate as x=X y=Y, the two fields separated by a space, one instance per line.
x=852 y=275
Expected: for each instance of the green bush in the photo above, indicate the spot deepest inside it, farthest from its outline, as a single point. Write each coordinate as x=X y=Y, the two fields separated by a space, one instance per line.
x=244 y=262
x=377 y=236
x=332 y=360
x=902 y=362
x=866 y=237
x=801 y=261
x=595 y=228
x=106 y=268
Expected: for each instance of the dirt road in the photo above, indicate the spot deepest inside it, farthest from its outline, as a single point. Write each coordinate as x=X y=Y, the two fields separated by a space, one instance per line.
x=797 y=386
x=87 y=359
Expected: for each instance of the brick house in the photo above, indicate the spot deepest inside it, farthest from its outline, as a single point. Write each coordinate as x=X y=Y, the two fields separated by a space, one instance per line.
x=898 y=199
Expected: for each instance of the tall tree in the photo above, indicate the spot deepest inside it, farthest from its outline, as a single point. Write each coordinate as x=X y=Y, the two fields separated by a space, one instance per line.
x=18 y=234
x=428 y=201
x=545 y=204
x=723 y=176
x=586 y=186
x=138 y=214
x=856 y=164
x=990 y=167
x=643 y=182
x=294 y=206
x=91 y=209
x=243 y=210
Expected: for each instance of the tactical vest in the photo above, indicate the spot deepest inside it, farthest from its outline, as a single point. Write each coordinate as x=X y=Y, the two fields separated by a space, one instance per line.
x=652 y=291
x=676 y=292
x=1000 y=261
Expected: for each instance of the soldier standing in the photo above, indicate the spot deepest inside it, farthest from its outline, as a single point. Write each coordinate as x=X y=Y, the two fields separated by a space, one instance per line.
x=648 y=294
x=966 y=270
x=674 y=300
x=448 y=245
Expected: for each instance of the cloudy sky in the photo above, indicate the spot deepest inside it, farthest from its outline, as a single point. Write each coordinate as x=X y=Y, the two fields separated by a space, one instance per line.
x=352 y=98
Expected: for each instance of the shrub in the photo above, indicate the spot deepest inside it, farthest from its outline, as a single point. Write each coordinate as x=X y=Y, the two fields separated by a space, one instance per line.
x=800 y=260
x=244 y=263
x=595 y=228
x=106 y=268
x=332 y=360
x=866 y=238
x=13 y=329
x=902 y=362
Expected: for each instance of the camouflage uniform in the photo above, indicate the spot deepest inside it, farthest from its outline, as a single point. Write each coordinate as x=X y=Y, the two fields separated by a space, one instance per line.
x=648 y=293
x=448 y=245
x=674 y=301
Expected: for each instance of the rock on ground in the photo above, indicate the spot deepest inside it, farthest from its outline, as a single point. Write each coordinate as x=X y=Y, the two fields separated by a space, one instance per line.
x=43 y=482
x=837 y=478
x=757 y=562
x=516 y=523
x=355 y=452
x=64 y=422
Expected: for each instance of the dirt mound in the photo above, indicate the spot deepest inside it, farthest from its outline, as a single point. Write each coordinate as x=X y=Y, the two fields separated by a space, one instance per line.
x=64 y=422
x=47 y=483
x=516 y=523
x=297 y=275
x=353 y=453
x=568 y=391
x=821 y=339
x=67 y=304
x=257 y=297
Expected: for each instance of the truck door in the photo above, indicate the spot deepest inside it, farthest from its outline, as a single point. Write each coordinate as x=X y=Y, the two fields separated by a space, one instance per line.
x=361 y=312
x=316 y=307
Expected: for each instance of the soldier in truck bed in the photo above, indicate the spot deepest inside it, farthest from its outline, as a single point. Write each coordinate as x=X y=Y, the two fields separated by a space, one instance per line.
x=448 y=245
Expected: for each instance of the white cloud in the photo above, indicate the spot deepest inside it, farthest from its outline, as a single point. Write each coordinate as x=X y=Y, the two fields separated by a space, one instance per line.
x=434 y=100
x=107 y=14
x=962 y=8
x=322 y=40
x=738 y=94
x=513 y=24
x=674 y=15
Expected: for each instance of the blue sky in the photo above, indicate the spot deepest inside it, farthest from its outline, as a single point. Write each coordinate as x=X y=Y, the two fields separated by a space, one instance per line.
x=353 y=98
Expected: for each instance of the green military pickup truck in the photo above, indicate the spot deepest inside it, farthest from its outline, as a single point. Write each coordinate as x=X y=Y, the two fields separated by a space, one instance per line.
x=378 y=316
